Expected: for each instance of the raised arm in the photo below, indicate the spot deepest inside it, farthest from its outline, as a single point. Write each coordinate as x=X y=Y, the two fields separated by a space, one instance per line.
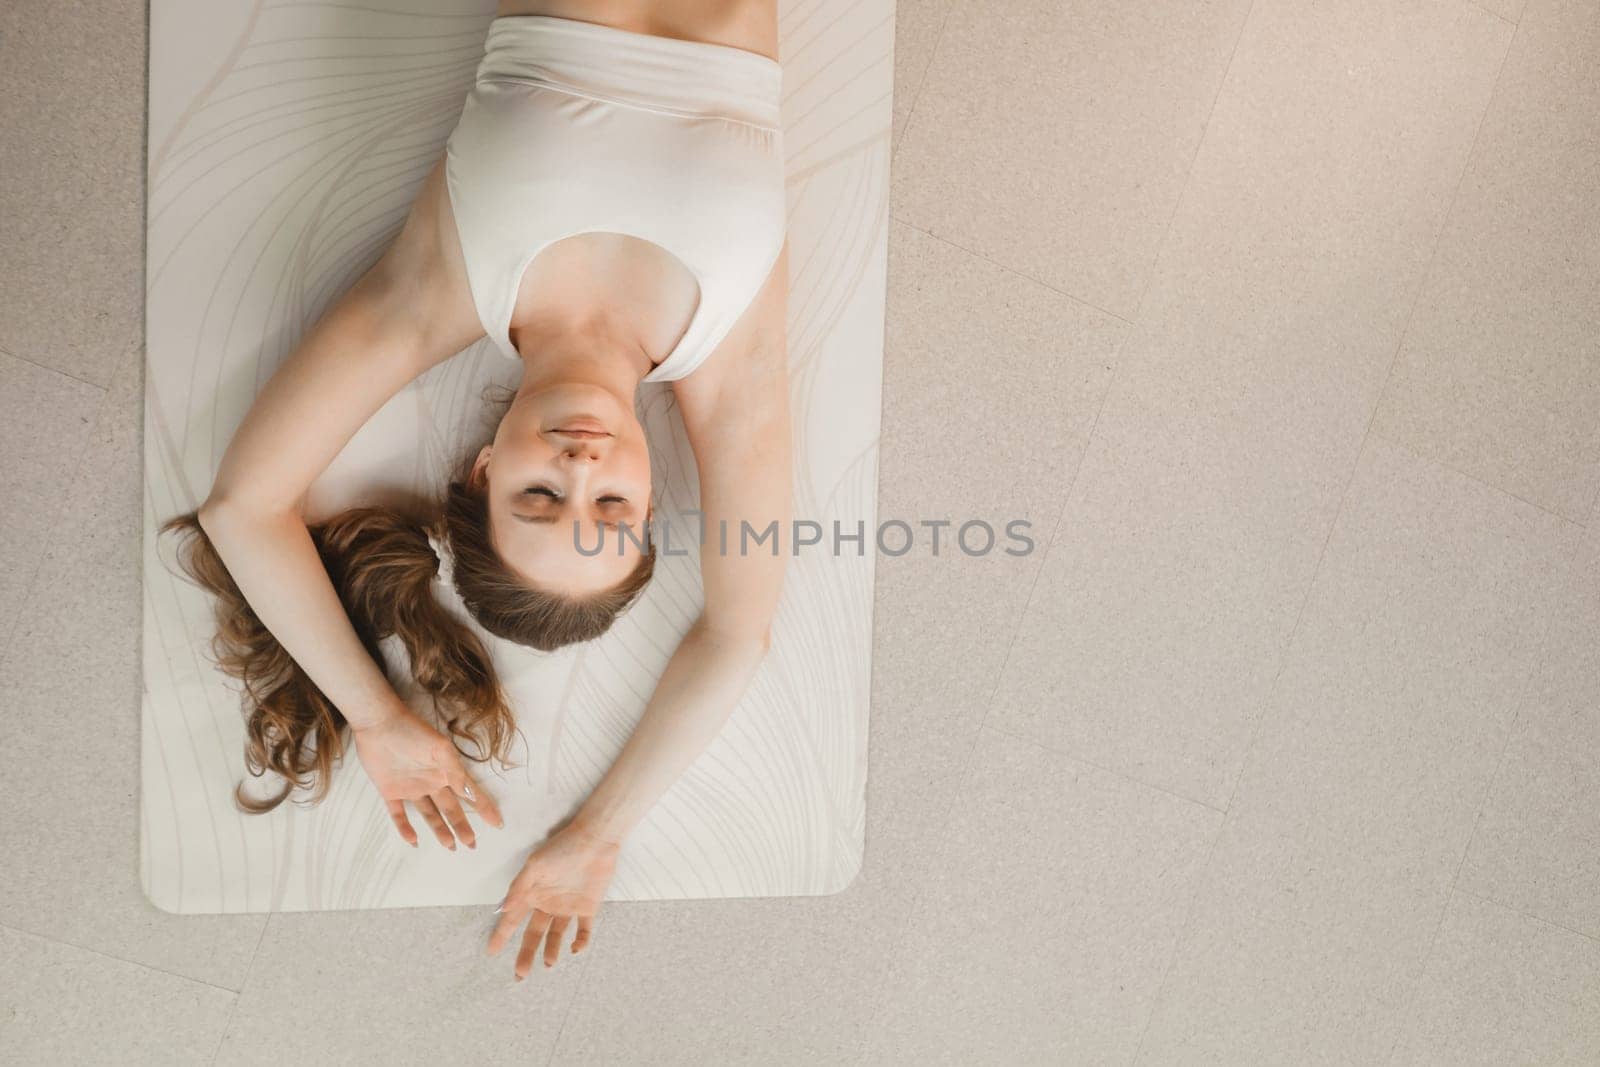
x=410 y=311
x=737 y=418
x=735 y=408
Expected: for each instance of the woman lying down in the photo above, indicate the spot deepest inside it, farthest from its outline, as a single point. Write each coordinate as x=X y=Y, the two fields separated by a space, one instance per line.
x=609 y=210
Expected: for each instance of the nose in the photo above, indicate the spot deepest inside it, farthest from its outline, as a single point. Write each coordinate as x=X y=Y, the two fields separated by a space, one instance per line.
x=579 y=450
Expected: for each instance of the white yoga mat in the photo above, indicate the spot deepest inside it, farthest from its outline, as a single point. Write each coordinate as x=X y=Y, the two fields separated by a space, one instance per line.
x=286 y=142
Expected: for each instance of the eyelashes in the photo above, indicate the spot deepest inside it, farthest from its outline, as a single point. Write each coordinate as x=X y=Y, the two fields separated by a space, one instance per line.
x=546 y=491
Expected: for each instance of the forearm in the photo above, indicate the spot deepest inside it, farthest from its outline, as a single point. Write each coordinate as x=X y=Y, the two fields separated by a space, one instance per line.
x=704 y=680
x=272 y=559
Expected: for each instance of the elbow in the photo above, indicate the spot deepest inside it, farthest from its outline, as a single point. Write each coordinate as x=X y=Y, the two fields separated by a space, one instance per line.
x=757 y=633
x=218 y=511
x=758 y=641
x=209 y=514
x=222 y=512
x=217 y=520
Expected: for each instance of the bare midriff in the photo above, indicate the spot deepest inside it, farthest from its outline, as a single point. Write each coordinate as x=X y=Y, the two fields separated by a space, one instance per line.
x=748 y=24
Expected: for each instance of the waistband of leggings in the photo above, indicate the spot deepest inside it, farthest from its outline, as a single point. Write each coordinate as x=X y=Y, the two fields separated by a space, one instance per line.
x=697 y=77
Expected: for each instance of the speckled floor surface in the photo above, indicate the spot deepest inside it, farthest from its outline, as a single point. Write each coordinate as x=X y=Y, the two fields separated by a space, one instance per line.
x=1279 y=317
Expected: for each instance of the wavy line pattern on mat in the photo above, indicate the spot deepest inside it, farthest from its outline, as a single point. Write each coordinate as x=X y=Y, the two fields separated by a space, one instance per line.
x=276 y=178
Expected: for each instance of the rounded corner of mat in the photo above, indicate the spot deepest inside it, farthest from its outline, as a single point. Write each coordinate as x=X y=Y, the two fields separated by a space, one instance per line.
x=163 y=900
x=849 y=878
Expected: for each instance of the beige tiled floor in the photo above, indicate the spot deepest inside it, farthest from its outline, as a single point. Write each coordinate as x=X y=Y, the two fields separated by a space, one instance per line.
x=1277 y=319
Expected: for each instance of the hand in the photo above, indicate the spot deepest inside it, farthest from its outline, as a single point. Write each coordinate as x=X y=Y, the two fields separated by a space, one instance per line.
x=409 y=760
x=563 y=879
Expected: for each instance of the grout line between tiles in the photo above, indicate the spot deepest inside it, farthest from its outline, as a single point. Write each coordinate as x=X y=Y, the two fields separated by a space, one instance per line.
x=572 y=1002
x=1012 y=270
x=1294 y=629
x=227 y=1025
x=966 y=769
x=54 y=370
x=233 y=1009
x=916 y=94
x=1589 y=513
x=1495 y=14
x=1372 y=415
x=1067 y=492
x=9 y=628
x=1535 y=679
x=1524 y=913
x=1288 y=645
x=1183 y=936
x=118 y=959
x=1188 y=173
x=1150 y=274
x=1421 y=457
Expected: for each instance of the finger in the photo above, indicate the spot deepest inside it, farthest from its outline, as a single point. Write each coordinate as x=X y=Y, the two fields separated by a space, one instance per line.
x=474 y=794
x=431 y=815
x=450 y=808
x=397 y=813
x=585 y=929
x=511 y=917
x=552 y=941
x=537 y=924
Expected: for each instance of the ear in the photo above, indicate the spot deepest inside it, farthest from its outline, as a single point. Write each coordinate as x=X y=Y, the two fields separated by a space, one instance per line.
x=479 y=473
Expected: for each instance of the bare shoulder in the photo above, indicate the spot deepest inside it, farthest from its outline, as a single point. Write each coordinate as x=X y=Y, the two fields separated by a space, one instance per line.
x=425 y=274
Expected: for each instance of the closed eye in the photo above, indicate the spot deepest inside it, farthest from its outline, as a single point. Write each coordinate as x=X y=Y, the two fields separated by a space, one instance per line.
x=541 y=490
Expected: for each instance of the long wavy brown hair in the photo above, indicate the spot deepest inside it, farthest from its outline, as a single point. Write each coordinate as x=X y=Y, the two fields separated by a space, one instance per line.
x=382 y=565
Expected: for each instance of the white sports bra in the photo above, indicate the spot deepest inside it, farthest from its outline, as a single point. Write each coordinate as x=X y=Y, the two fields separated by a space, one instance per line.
x=574 y=127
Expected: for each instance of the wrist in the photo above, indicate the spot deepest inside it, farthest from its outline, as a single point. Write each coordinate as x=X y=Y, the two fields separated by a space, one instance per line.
x=597 y=830
x=376 y=716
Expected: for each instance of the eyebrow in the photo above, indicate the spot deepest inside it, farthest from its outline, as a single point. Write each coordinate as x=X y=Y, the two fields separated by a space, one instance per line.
x=542 y=519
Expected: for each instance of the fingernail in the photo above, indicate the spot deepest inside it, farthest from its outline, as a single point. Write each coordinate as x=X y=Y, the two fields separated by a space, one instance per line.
x=467 y=791
x=498 y=908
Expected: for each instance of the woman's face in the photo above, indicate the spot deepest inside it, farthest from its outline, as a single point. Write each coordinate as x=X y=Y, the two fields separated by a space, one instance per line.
x=563 y=455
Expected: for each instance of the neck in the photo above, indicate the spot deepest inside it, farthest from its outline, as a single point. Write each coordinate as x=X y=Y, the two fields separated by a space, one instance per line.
x=593 y=351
